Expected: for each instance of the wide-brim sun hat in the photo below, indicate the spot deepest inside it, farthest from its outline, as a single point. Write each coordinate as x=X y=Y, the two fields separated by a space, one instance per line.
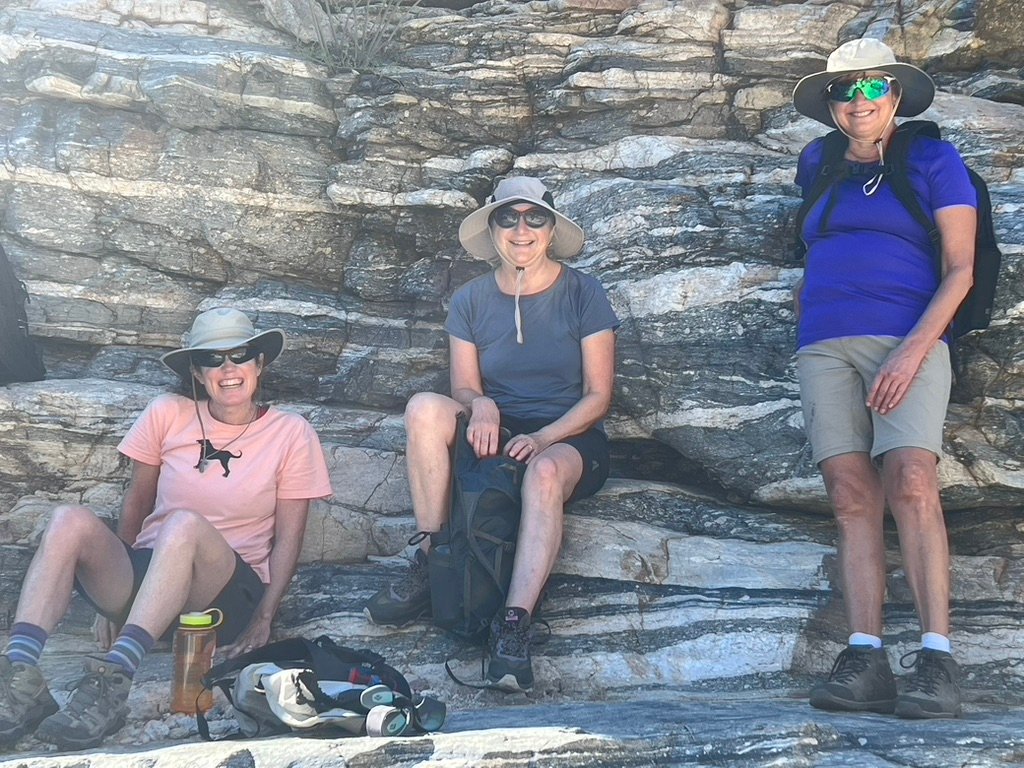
x=222 y=329
x=865 y=54
x=475 y=233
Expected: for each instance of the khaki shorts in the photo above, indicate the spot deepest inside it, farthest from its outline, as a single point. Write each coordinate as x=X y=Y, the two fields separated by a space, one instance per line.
x=835 y=376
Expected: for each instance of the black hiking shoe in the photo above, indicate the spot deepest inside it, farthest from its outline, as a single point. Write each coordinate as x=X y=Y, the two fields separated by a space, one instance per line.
x=861 y=680
x=933 y=688
x=25 y=701
x=405 y=600
x=508 y=650
x=97 y=708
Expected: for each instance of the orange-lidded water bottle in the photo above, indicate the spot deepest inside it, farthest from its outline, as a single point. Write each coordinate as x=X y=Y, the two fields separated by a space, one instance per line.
x=195 y=640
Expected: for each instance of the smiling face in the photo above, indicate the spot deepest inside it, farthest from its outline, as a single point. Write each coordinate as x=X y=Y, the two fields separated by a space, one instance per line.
x=863 y=118
x=231 y=384
x=522 y=245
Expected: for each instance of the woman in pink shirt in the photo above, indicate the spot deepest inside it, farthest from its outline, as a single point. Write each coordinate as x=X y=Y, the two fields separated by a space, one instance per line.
x=213 y=517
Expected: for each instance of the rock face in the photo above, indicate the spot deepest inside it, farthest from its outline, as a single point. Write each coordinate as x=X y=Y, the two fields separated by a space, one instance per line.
x=161 y=158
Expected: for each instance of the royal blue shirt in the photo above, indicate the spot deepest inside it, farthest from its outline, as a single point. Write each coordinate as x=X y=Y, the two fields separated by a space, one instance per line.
x=870 y=270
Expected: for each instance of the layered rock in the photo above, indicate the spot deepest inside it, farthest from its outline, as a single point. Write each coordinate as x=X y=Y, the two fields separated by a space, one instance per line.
x=164 y=158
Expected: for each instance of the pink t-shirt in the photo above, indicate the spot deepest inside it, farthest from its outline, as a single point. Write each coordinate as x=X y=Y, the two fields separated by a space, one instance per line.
x=277 y=457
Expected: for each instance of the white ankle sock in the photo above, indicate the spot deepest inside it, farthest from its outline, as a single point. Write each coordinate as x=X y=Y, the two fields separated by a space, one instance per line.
x=863 y=638
x=935 y=642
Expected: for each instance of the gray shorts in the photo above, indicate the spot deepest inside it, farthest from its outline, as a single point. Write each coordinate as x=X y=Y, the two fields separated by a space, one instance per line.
x=835 y=376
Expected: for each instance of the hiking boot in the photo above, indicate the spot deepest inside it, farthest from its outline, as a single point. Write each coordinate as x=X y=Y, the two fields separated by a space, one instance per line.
x=860 y=681
x=97 y=708
x=508 y=649
x=25 y=701
x=933 y=688
x=404 y=601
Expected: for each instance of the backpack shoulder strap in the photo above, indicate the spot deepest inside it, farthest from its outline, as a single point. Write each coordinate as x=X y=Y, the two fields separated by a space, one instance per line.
x=830 y=170
x=896 y=174
x=330 y=658
x=294 y=649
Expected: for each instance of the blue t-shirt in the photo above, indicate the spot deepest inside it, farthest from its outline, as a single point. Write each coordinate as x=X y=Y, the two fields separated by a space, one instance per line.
x=541 y=378
x=871 y=271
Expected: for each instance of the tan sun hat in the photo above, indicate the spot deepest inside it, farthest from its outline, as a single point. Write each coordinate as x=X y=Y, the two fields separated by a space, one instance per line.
x=866 y=54
x=475 y=233
x=223 y=328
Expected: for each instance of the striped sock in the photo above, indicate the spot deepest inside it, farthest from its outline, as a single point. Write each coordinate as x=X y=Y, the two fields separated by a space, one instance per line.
x=26 y=643
x=130 y=648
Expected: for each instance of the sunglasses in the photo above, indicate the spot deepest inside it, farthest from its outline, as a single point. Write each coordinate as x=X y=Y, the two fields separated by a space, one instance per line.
x=210 y=358
x=508 y=217
x=873 y=88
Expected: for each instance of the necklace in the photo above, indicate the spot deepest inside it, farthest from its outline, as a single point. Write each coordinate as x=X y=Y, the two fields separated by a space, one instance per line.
x=208 y=452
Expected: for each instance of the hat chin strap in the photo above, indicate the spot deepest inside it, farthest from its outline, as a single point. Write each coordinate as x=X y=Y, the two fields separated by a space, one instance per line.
x=878 y=141
x=872 y=184
x=520 y=274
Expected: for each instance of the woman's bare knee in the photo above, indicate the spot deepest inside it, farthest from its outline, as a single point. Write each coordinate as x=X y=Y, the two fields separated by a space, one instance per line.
x=72 y=525
x=429 y=410
x=913 y=485
x=181 y=528
x=545 y=480
x=542 y=473
x=430 y=422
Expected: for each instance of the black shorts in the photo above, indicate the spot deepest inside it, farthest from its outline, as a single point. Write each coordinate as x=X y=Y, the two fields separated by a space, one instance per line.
x=237 y=600
x=592 y=446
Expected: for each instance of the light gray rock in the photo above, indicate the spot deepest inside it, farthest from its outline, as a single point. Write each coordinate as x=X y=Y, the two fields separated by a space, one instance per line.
x=161 y=158
x=648 y=732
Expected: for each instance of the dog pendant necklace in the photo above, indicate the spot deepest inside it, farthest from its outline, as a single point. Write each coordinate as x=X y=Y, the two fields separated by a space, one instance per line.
x=208 y=450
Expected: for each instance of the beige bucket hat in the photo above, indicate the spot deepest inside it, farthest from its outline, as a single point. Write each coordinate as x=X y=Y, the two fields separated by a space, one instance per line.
x=862 y=55
x=223 y=328
x=475 y=234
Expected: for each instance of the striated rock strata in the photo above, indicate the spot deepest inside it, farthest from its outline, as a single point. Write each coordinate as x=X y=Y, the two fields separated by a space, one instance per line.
x=160 y=158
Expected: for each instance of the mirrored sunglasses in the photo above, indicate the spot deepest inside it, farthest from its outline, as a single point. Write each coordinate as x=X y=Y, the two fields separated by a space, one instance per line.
x=210 y=358
x=507 y=217
x=873 y=88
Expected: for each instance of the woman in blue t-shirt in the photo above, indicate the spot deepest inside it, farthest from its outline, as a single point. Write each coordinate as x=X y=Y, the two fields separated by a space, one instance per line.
x=532 y=351
x=874 y=365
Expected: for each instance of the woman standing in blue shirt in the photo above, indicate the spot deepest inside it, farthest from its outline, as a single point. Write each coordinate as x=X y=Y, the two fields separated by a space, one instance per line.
x=874 y=365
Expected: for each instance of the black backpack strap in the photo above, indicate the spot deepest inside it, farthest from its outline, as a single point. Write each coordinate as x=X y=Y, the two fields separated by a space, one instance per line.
x=285 y=653
x=291 y=652
x=831 y=170
x=896 y=174
x=226 y=685
x=324 y=702
x=349 y=663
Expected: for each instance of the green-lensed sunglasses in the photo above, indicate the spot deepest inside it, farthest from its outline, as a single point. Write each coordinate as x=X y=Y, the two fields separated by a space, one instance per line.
x=873 y=88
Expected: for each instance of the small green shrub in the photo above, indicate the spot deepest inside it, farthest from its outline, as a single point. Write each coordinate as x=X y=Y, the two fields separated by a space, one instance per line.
x=362 y=34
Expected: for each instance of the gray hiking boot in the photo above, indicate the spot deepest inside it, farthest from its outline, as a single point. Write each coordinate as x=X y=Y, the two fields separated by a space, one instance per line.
x=97 y=708
x=25 y=701
x=405 y=600
x=933 y=688
x=509 y=666
x=861 y=680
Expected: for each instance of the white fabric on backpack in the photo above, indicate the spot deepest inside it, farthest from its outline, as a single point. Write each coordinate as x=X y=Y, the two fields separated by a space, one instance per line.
x=291 y=702
x=253 y=713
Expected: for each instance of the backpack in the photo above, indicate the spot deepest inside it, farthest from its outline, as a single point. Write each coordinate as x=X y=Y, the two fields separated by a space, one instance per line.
x=19 y=358
x=318 y=686
x=975 y=312
x=470 y=558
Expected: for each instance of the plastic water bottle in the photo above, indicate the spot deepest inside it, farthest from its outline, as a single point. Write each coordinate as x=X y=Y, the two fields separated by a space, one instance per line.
x=195 y=640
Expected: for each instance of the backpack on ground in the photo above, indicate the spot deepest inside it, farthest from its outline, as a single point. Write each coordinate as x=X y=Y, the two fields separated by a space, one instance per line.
x=470 y=558
x=975 y=313
x=19 y=358
x=316 y=687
